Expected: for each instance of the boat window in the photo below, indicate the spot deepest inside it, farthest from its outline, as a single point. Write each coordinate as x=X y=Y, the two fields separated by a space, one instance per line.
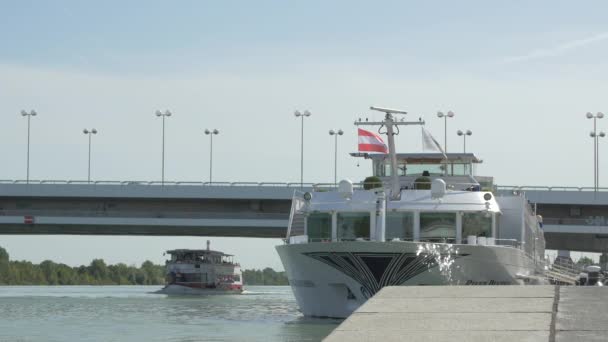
x=437 y=226
x=353 y=225
x=190 y=277
x=461 y=170
x=379 y=170
x=318 y=226
x=478 y=224
x=399 y=225
x=418 y=169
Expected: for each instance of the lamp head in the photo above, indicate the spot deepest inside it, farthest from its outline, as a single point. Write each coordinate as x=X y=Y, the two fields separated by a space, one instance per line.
x=33 y=112
x=459 y=133
x=450 y=114
x=469 y=132
x=167 y=112
x=94 y=131
x=591 y=134
x=24 y=113
x=440 y=114
x=340 y=132
x=332 y=132
x=599 y=115
x=207 y=131
x=158 y=113
x=602 y=134
x=215 y=131
x=85 y=131
x=297 y=113
x=589 y=115
x=306 y=113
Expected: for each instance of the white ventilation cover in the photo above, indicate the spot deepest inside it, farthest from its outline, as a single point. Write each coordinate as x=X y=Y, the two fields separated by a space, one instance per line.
x=438 y=188
x=345 y=188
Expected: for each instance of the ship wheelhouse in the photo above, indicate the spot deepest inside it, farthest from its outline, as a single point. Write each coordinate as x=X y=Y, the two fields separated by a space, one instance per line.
x=458 y=170
x=465 y=209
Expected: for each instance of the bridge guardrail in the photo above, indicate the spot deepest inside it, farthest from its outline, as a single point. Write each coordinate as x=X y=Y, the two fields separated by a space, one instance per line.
x=270 y=184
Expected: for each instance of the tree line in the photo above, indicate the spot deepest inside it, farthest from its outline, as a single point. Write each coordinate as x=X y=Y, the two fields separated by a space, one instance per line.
x=99 y=273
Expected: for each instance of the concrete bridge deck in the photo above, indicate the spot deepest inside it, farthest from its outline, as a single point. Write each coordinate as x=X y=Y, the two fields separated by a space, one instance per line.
x=575 y=218
x=479 y=313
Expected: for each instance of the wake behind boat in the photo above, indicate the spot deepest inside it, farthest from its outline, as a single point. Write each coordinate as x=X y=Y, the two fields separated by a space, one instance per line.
x=431 y=221
x=202 y=272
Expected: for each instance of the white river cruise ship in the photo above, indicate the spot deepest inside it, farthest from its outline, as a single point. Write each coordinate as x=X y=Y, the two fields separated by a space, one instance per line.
x=431 y=221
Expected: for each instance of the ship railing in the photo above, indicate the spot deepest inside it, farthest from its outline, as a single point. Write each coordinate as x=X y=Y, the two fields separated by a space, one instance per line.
x=466 y=186
x=547 y=188
x=499 y=242
x=508 y=243
x=297 y=219
x=562 y=274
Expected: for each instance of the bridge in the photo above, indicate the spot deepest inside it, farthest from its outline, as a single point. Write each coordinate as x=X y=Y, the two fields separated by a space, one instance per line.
x=575 y=219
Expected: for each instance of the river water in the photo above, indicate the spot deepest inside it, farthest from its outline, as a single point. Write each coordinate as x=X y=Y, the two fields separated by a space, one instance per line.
x=132 y=313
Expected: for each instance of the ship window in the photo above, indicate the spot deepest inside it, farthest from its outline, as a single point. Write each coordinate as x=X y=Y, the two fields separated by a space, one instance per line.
x=461 y=169
x=437 y=226
x=379 y=169
x=318 y=226
x=478 y=224
x=399 y=225
x=418 y=169
x=353 y=225
x=191 y=277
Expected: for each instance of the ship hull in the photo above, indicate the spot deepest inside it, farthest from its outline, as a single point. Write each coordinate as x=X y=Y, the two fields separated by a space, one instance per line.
x=188 y=290
x=334 y=279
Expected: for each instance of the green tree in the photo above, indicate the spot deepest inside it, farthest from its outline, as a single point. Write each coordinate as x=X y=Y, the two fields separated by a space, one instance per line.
x=372 y=182
x=4 y=266
x=99 y=271
x=584 y=261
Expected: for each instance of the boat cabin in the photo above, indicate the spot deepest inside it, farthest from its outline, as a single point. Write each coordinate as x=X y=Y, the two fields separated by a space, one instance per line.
x=457 y=169
x=198 y=256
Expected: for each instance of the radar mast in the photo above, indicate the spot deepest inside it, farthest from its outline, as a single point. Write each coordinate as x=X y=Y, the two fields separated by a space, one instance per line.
x=390 y=123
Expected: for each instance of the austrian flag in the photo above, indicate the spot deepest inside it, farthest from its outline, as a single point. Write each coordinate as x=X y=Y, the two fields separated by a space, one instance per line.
x=371 y=142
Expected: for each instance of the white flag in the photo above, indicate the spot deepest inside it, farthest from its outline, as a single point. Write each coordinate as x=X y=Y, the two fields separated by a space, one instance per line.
x=429 y=143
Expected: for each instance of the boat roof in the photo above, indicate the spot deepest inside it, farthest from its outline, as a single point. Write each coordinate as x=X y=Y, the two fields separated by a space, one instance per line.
x=198 y=252
x=422 y=158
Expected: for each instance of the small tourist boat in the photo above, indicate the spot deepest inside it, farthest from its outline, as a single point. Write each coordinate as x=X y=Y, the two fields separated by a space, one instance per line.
x=593 y=276
x=202 y=272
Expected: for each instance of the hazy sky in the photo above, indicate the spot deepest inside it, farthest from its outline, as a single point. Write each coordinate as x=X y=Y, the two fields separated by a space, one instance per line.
x=521 y=75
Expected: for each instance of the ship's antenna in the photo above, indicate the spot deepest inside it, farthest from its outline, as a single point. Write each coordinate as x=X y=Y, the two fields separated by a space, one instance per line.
x=390 y=123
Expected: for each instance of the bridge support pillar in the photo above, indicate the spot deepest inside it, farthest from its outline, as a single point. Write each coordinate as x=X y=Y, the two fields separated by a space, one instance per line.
x=604 y=261
x=563 y=258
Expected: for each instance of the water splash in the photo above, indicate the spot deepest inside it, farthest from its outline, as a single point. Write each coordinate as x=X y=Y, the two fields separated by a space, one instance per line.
x=442 y=255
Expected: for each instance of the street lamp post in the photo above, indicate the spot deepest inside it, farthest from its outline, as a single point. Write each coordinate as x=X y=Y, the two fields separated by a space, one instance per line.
x=89 y=133
x=302 y=115
x=335 y=134
x=164 y=115
x=445 y=117
x=211 y=134
x=464 y=137
x=29 y=116
x=595 y=135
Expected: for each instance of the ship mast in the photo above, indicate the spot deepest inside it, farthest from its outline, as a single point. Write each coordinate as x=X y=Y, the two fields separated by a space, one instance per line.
x=390 y=123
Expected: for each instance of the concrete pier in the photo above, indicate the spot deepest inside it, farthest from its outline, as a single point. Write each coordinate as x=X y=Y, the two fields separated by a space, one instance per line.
x=479 y=313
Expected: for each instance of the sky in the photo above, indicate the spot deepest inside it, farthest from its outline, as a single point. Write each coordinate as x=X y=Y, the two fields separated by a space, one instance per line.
x=520 y=75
